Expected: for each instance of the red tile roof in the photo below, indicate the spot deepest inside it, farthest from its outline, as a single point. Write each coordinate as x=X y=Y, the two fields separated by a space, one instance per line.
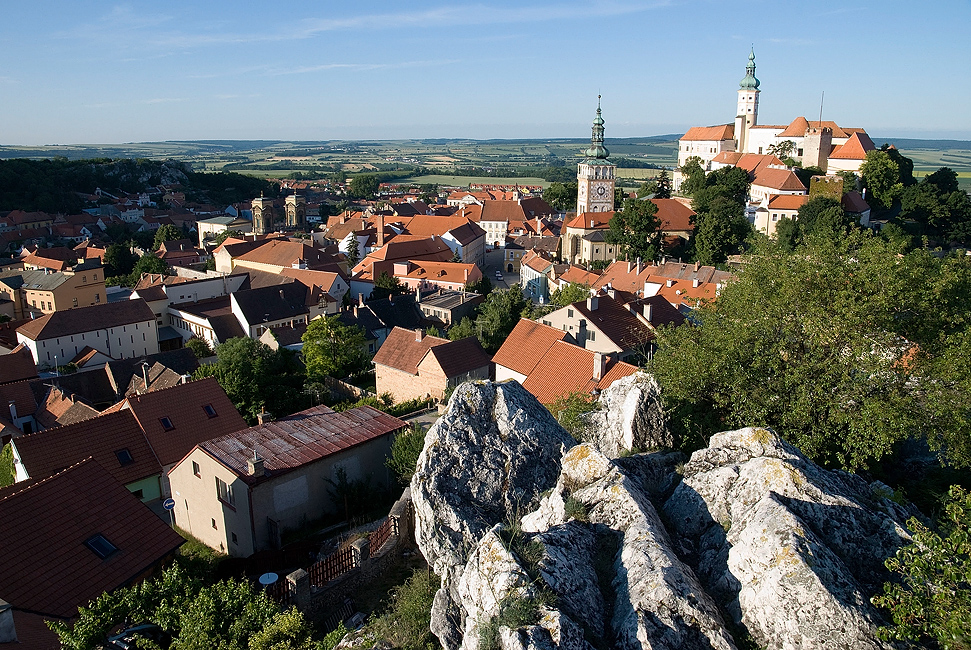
x=526 y=345
x=779 y=179
x=47 y=568
x=710 y=133
x=787 y=201
x=183 y=406
x=20 y=394
x=616 y=322
x=402 y=351
x=855 y=148
x=17 y=365
x=299 y=439
x=624 y=276
x=458 y=357
x=443 y=271
x=798 y=127
x=591 y=220
x=674 y=215
x=567 y=368
x=87 y=319
x=49 y=451
x=578 y=275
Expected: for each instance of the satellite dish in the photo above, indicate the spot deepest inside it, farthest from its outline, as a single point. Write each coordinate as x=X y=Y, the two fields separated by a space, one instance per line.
x=268 y=579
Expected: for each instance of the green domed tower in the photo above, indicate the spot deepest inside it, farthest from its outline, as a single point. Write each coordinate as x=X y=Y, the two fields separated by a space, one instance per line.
x=747 y=114
x=595 y=175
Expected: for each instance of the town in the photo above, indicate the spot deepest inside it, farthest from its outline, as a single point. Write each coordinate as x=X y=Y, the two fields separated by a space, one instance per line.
x=255 y=389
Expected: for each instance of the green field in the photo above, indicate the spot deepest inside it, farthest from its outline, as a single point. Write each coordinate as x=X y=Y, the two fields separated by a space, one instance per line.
x=464 y=181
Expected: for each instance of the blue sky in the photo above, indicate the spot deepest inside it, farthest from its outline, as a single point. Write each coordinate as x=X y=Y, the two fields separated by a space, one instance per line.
x=85 y=71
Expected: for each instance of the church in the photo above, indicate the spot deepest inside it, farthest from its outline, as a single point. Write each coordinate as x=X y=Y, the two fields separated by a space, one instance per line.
x=819 y=143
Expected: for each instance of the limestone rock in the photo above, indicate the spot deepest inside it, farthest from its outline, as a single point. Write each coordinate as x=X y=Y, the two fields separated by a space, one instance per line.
x=791 y=548
x=630 y=417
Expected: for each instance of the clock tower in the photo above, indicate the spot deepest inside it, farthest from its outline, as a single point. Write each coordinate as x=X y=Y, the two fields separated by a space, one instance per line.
x=595 y=175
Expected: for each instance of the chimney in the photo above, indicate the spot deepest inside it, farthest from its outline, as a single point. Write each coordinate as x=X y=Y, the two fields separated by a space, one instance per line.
x=638 y=266
x=670 y=283
x=360 y=300
x=599 y=365
x=630 y=266
x=592 y=223
x=8 y=632
x=13 y=411
x=418 y=335
x=611 y=292
x=466 y=275
x=281 y=294
x=145 y=375
x=254 y=466
x=185 y=379
x=648 y=312
x=379 y=224
x=694 y=283
x=592 y=303
x=263 y=417
x=697 y=266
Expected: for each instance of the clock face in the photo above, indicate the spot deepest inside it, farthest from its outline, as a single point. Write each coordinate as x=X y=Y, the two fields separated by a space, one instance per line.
x=601 y=190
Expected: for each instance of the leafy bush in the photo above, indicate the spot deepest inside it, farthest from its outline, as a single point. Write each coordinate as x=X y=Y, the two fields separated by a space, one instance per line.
x=405 y=450
x=406 y=621
x=569 y=410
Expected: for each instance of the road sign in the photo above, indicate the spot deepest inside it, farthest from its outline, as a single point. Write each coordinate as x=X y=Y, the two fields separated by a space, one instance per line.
x=169 y=504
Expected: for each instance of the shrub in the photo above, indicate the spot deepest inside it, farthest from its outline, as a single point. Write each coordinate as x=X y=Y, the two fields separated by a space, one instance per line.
x=405 y=449
x=405 y=623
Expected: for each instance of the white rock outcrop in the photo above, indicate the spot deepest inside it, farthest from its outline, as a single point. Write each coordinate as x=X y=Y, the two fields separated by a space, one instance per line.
x=631 y=417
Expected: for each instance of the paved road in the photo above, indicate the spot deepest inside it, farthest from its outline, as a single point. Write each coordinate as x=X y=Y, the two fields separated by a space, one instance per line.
x=494 y=262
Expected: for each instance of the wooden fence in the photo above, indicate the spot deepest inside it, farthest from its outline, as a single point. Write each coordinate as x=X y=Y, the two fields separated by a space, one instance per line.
x=280 y=592
x=378 y=538
x=334 y=565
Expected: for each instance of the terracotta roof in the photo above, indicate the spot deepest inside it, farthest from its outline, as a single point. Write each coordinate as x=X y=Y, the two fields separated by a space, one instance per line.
x=855 y=148
x=18 y=392
x=616 y=322
x=578 y=275
x=443 y=271
x=754 y=163
x=787 y=201
x=183 y=406
x=567 y=368
x=32 y=633
x=502 y=211
x=87 y=319
x=798 y=127
x=52 y=450
x=48 y=568
x=462 y=228
x=283 y=253
x=625 y=276
x=526 y=345
x=537 y=261
x=402 y=351
x=458 y=357
x=310 y=278
x=588 y=220
x=728 y=157
x=779 y=179
x=60 y=408
x=300 y=439
x=402 y=248
x=17 y=365
x=710 y=133
x=674 y=215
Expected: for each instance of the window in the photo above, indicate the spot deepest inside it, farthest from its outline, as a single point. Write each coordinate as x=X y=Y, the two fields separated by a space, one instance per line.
x=210 y=411
x=225 y=492
x=139 y=494
x=569 y=313
x=75 y=302
x=166 y=422
x=235 y=540
x=196 y=469
x=84 y=278
x=214 y=525
x=101 y=547
x=95 y=276
x=124 y=457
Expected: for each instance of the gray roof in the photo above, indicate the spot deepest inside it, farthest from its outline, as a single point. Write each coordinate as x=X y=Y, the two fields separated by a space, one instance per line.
x=33 y=279
x=272 y=303
x=450 y=299
x=87 y=319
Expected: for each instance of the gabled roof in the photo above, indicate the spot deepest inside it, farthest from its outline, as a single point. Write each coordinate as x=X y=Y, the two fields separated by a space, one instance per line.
x=537 y=261
x=272 y=303
x=183 y=406
x=404 y=349
x=299 y=439
x=463 y=229
x=17 y=365
x=624 y=276
x=754 y=163
x=798 y=127
x=60 y=408
x=578 y=275
x=21 y=395
x=310 y=278
x=590 y=220
x=787 y=201
x=502 y=211
x=779 y=179
x=853 y=202
x=526 y=345
x=456 y=358
x=283 y=253
x=47 y=568
x=710 y=133
x=568 y=368
x=616 y=322
x=855 y=148
x=52 y=450
x=87 y=319
x=728 y=157
x=674 y=215
x=443 y=271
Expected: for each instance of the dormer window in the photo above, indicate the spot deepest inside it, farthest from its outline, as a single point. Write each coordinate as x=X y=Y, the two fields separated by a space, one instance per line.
x=101 y=547
x=124 y=457
x=166 y=423
x=210 y=411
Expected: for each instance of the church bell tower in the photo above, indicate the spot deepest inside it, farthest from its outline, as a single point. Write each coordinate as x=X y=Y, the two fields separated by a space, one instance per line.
x=747 y=114
x=595 y=175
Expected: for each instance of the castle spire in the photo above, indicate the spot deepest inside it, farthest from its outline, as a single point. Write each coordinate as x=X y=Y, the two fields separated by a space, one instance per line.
x=597 y=150
x=750 y=82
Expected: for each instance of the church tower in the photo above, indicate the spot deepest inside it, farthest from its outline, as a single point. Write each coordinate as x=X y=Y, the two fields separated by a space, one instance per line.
x=262 y=215
x=595 y=175
x=747 y=114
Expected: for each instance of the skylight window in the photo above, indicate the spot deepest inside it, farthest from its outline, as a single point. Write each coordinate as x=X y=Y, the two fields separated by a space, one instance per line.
x=124 y=457
x=166 y=423
x=210 y=411
x=101 y=547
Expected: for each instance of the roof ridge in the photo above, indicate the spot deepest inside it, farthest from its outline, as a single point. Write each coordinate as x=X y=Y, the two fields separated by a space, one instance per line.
x=41 y=481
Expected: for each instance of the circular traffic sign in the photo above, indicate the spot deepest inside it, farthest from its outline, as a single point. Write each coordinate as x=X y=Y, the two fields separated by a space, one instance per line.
x=169 y=504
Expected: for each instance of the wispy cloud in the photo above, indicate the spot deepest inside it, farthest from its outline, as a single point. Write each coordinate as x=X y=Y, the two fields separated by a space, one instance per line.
x=163 y=100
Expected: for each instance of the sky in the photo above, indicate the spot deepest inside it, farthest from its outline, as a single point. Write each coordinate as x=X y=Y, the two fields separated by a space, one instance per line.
x=86 y=71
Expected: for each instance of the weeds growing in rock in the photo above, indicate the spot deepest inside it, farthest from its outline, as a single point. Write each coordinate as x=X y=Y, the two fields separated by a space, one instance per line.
x=515 y=611
x=405 y=622
x=575 y=509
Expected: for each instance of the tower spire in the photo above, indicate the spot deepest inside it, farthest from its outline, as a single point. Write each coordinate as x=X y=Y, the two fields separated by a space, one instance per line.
x=597 y=150
x=750 y=82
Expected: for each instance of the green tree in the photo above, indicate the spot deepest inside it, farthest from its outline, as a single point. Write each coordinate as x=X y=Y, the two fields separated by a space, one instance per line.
x=636 y=230
x=332 y=349
x=930 y=601
x=386 y=286
x=405 y=450
x=823 y=217
x=364 y=186
x=353 y=250
x=782 y=149
x=569 y=294
x=256 y=378
x=720 y=231
x=881 y=176
x=662 y=186
x=693 y=176
x=498 y=315
x=119 y=260
x=463 y=329
x=199 y=347
x=944 y=179
x=165 y=233
x=7 y=471
x=821 y=345
x=560 y=196
x=226 y=234
x=482 y=286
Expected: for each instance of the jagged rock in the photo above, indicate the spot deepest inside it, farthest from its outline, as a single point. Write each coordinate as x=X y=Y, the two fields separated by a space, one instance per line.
x=655 y=471
x=657 y=600
x=555 y=631
x=485 y=461
x=792 y=549
x=630 y=418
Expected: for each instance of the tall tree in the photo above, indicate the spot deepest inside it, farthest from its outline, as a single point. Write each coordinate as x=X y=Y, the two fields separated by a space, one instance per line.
x=332 y=349
x=561 y=196
x=693 y=176
x=386 y=286
x=720 y=231
x=636 y=230
x=165 y=233
x=882 y=178
x=571 y=293
x=364 y=186
x=498 y=315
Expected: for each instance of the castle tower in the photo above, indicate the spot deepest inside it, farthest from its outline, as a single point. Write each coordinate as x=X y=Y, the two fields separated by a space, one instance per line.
x=595 y=175
x=262 y=215
x=747 y=114
x=296 y=207
x=816 y=145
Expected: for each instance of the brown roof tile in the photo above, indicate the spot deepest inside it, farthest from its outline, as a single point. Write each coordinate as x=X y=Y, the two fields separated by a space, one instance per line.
x=458 y=357
x=787 y=201
x=779 y=179
x=567 y=368
x=47 y=567
x=17 y=365
x=710 y=133
x=526 y=345
x=674 y=215
x=855 y=148
x=87 y=319
x=403 y=351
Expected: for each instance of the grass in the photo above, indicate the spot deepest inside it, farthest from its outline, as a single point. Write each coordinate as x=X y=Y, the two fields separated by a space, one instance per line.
x=405 y=621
